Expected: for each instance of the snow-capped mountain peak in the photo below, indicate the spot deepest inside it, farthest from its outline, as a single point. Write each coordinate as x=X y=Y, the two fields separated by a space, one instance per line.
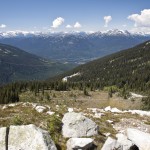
x=19 y=33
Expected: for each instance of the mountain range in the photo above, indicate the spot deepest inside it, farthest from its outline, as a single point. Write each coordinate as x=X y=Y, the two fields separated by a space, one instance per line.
x=16 y=64
x=76 y=47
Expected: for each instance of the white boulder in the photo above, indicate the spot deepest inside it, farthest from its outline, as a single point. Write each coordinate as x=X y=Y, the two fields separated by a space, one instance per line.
x=79 y=143
x=123 y=142
x=29 y=137
x=2 y=138
x=12 y=105
x=139 y=138
x=109 y=144
x=113 y=110
x=108 y=108
x=134 y=95
x=77 y=125
x=40 y=109
x=116 y=110
x=5 y=107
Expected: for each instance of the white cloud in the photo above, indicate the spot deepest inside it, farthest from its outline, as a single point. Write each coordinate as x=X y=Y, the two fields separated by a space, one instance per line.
x=107 y=19
x=77 y=25
x=124 y=25
x=140 y=30
x=141 y=20
x=68 y=26
x=3 y=26
x=57 y=22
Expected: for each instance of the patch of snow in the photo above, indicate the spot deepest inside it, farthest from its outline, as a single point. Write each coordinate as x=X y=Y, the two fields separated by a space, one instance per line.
x=140 y=112
x=134 y=95
x=116 y=110
x=67 y=77
x=147 y=43
x=64 y=79
x=4 y=107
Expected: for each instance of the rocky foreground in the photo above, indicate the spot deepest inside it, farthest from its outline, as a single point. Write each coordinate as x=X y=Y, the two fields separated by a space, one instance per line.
x=88 y=129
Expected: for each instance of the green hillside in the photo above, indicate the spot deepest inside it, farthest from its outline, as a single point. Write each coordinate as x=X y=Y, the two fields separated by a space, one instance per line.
x=129 y=68
x=16 y=64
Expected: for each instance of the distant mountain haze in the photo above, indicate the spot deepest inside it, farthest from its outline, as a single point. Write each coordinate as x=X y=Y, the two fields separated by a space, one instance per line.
x=76 y=47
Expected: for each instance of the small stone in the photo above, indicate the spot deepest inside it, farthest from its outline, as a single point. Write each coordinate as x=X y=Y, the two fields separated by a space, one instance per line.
x=109 y=121
x=70 y=109
x=107 y=134
x=116 y=110
x=50 y=113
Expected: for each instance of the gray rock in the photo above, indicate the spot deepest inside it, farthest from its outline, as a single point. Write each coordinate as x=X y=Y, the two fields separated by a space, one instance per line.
x=79 y=143
x=109 y=144
x=77 y=125
x=139 y=138
x=122 y=143
x=2 y=138
x=29 y=137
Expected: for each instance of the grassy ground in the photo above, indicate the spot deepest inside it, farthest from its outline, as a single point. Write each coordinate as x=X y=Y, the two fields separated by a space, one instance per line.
x=98 y=99
x=24 y=113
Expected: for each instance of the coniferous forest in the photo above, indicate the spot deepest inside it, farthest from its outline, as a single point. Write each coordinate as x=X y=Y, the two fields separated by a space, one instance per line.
x=128 y=70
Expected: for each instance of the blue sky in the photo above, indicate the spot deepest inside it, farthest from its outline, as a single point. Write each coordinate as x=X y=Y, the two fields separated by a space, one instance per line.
x=77 y=15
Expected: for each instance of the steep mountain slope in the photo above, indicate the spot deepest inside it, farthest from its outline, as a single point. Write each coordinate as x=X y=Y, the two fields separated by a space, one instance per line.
x=73 y=47
x=129 y=68
x=16 y=64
